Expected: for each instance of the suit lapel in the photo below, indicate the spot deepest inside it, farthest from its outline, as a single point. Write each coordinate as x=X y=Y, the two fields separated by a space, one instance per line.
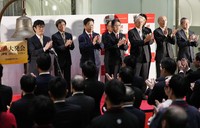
x=183 y=34
x=160 y=31
x=137 y=34
x=37 y=42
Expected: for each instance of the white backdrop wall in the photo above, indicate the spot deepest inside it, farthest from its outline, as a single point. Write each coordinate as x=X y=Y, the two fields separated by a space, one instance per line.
x=13 y=73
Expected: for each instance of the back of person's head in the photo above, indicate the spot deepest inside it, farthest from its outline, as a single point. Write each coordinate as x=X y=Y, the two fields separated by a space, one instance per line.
x=1 y=70
x=174 y=117
x=43 y=61
x=89 y=69
x=115 y=91
x=77 y=83
x=130 y=61
x=169 y=65
x=130 y=94
x=197 y=57
x=28 y=83
x=178 y=85
x=58 y=88
x=126 y=74
x=86 y=20
x=43 y=110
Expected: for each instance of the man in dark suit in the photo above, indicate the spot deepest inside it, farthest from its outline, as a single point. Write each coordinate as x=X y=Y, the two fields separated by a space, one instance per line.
x=93 y=87
x=78 y=97
x=140 y=39
x=37 y=44
x=186 y=41
x=115 y=116
x=115 y=44
x=176 y=91
x=62 y=42
x=21 y=107
x=128 y=105
x=89 y=44
x=67 y=115
x=5 y=91
x=165 y=38
x=43 y=64
x=156 y=88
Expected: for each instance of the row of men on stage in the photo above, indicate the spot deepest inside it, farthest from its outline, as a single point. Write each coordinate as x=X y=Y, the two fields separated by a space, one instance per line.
x=114 y=42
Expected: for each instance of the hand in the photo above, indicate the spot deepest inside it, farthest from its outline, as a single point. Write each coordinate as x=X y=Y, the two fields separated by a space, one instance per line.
x=174 y=32
x=96 y=39
x=148 y=38
x=196 y=38
x=150 y=83
x=121 y=42
x=192 y=86
x=109 y=77
x=68 y=43
x=32 y=74
x=165 y=31
x=48 y=45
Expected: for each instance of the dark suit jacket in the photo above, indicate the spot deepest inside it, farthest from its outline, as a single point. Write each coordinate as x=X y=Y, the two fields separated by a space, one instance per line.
x=95 y=89
x=164 y=44
x=158 y=92
x=64 y=56
x=115 y=118
x=192 y=112
x=87 y=104
x=195 y=96
x=106 y=54
x=42 y=82
x=68 y=116
x=110 y=45
x=21 y=110
x=87 y=48
x=6 y=94
x=186 y=49
x=35 y=48
x=139 y=49
x=138 y=113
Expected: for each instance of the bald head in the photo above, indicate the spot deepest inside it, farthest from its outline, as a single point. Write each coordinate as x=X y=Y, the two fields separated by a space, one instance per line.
x=174 y=117
x=77 y=83
x=162 y=21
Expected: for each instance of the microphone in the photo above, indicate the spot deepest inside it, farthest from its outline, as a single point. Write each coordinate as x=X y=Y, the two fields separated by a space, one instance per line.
x=52 y=51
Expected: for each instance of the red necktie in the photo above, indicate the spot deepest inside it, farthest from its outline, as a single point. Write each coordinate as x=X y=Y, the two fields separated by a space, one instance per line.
x=117 y=36
x=90 y=35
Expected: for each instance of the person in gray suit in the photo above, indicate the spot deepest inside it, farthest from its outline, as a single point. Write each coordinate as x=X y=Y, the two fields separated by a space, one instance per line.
x=165 y=38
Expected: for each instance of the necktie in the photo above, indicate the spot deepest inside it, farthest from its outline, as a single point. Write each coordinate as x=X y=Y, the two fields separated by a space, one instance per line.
x=90 y=35
x=41 y=40
x=63 y=36
x=117 y=36
x=187 y=34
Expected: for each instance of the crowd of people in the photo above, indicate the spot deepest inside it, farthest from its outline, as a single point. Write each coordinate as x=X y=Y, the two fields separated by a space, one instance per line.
x=57 y=101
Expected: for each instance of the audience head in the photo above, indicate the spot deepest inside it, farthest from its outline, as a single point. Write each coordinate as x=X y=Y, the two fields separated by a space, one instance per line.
x=88 y=24
x=130 y=61
x=77 y=83
x=61 y=25
x=130 y=95
x=162 y=21
x=196 y=61
x=38 y=27
x=43 y=110
x=115 y=92
x=185 y=24
x=126 y=75
x=167 y=66
x=57 y=88
x=174 y=117
x=28 y=83
x=43 y=62
x=1 y=70
x=116 y=25
x=89 y=69
x=176 y=87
